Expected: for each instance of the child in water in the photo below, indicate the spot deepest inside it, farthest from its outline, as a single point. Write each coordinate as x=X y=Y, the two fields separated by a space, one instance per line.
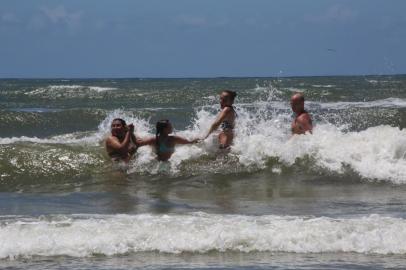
x=225 y=120
x=164 y=142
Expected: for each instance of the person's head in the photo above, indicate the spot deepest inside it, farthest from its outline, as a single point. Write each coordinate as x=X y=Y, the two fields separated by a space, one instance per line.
x=297 y=103
x=118 y=127
x=163 y=127
x=227 y=98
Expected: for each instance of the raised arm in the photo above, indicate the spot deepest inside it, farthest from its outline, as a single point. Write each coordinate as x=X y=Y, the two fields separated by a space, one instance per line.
x=114 y=144
x=220 y=118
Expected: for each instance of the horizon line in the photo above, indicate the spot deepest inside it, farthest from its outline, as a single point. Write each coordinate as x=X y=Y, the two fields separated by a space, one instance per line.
x=196 y=77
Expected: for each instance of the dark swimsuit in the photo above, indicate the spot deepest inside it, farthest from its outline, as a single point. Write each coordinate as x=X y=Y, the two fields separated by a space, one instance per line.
x=226 y=126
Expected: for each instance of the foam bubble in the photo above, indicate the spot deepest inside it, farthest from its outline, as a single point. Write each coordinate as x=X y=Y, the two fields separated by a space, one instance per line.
x=83 y=236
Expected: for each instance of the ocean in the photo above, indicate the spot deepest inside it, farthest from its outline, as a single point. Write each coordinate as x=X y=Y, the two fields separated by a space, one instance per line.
x=331 y=200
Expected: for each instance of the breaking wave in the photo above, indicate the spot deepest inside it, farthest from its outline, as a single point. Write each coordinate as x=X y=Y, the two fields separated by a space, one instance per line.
x=83 y=236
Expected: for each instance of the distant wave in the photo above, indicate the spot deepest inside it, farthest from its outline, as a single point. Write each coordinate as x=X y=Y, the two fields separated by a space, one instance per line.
x=70 y=88
x=101 y=89
x=84 y=236
x=341 y=105
x=382 y=81
x=74 y=138
x=382 y=103
x=323 y=85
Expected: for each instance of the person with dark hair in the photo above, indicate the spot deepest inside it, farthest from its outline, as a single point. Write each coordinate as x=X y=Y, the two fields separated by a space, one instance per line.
x=302 y=122
x=225 y=120
x=122 y=144
x=164 y=142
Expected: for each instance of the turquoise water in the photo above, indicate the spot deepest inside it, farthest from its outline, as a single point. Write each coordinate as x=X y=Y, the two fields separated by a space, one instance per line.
x=331 y=200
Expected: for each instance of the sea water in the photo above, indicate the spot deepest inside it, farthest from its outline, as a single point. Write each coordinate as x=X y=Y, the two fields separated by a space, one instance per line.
x=331 y=200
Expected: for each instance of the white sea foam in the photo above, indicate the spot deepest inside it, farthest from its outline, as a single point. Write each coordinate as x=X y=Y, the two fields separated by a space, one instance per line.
x=382 y=81
x=101 y=89
x=375 y=153
x=59 y=87
x=380 y=103
x=82 y=236
x=68 y=89
x=73 y=138
x=323 y=85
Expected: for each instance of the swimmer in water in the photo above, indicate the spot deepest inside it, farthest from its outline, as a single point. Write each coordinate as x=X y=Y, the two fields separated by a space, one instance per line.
x=164 y=142
x=122 y=144
x=302 y=122
x=225 y=120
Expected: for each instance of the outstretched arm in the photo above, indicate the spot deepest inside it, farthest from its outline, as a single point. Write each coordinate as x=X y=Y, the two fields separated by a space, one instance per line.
x=220 y=118
x=147 y=141
x=180 y=140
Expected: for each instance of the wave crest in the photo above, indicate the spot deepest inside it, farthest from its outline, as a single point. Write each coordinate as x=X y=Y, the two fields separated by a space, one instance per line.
x=83 y=236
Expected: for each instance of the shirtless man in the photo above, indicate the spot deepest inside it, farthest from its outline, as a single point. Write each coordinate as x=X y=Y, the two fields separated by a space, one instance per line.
x=302 y=122
x=121 y=145
x=225 y=120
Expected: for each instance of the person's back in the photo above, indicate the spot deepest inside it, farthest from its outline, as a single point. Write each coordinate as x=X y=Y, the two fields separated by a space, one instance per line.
x=165 y=147
x=164 y=143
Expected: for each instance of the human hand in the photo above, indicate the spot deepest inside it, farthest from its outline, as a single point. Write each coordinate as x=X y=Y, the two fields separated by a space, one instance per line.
x=130 y=128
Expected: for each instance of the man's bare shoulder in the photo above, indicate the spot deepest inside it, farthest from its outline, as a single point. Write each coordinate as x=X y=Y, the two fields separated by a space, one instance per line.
x=111 y=139
x=227 y=109
x=304 y=117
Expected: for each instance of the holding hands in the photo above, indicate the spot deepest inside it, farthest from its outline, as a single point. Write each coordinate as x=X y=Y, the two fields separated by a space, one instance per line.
x=129 y=128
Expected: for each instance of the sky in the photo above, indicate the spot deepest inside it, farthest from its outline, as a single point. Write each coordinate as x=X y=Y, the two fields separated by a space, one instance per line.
x=201 y=38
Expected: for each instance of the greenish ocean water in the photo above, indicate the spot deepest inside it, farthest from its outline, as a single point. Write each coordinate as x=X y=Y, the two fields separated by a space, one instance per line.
x=331 y=200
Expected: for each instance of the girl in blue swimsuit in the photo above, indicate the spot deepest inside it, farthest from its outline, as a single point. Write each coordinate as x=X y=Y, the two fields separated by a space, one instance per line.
x=164 y=142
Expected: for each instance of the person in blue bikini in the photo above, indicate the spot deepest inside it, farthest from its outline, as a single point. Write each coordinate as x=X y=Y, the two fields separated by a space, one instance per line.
x=164 y=142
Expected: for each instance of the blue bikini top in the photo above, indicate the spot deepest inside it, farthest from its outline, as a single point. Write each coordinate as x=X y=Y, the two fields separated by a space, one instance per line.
x=163 y=148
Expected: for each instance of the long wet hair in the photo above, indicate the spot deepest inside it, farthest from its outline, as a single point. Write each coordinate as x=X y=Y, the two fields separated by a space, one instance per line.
x=160 y=126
